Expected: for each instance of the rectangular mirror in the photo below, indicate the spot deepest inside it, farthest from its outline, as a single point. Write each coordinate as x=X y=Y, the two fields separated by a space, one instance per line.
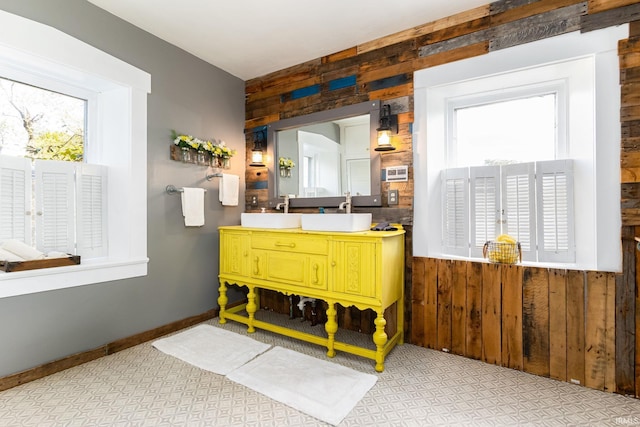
x=316 y=159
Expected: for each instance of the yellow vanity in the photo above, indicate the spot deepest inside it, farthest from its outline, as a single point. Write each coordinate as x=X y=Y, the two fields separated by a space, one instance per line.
x=362 y=269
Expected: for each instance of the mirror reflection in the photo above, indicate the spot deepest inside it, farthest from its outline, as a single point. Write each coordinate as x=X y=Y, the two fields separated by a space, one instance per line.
x=325 y=159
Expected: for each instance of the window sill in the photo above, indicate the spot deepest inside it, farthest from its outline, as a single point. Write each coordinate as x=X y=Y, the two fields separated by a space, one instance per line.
x=89 y=272
x=550 y=265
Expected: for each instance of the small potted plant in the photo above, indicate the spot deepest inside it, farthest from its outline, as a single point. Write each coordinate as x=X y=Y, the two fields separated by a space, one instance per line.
x=220 y=154
x=186 y=143
x=285 y=164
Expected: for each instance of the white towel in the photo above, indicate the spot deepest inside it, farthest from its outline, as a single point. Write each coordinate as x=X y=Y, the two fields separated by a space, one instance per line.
x=229 y=189
x=193 y=207
x=56 y=254
x=9 y=256
x=21 y=249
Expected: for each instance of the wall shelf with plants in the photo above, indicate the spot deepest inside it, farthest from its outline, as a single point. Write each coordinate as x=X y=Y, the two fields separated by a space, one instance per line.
x=187 y=149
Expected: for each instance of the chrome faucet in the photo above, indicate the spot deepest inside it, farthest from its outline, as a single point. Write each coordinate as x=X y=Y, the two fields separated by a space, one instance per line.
x=346 y=204
x=285 y=204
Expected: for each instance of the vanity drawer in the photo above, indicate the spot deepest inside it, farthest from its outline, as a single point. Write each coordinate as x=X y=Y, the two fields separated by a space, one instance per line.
x=304 y=270
x=291 y=243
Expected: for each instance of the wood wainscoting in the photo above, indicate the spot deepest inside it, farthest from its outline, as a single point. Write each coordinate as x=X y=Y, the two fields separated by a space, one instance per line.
x=554 y=323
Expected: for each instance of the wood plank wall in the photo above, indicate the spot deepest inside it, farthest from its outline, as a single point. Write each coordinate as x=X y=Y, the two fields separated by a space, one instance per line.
x=573 y=326
x=554 y=323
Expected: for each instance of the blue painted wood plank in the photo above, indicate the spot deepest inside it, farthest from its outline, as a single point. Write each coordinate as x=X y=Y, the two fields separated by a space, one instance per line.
x=257 y=185
x=342 y=82
x=305 y=91
x=256 y=129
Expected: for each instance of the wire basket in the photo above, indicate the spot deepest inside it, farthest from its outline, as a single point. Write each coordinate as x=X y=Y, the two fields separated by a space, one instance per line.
x=502 y=252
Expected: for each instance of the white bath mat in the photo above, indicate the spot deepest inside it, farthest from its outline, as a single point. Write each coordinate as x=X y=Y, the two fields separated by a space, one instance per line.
x=324 y=390
x=211 y=348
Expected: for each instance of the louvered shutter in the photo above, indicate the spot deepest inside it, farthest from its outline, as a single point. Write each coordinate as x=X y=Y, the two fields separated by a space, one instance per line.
x=55 y=210
x=91 y=191
x=518 y=205
x=15 y=199
x=554 y=182
x=485 y=206
x=455 y=211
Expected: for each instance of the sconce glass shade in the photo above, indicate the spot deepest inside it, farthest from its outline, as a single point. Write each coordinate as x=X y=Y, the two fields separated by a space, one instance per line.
x=257 y=157
x=388 y=124
x=384 y=140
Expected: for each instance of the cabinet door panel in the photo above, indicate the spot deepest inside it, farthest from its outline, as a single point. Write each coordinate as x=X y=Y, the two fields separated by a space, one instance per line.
x=235 y=254
x=355 y=269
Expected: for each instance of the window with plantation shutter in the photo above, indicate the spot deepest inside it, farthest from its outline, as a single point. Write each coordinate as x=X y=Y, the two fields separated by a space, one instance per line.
x=522 y=109
x=518 y=206
x=15 y=199
x=114 y=94
x=455 y=203
x=555 y=211
x=485 y=206
x=91 y=190
x=70 y=205
x=55 y=215
x=532 y=202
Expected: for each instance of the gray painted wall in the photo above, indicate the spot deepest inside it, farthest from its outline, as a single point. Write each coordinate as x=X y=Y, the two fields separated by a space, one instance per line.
x=187 y=95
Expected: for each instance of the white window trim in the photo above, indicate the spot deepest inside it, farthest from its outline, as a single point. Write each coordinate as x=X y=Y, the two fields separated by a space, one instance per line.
x=30 y=47
x=603 y=252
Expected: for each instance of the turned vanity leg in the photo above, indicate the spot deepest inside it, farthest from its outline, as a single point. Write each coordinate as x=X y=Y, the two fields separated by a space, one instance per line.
x=331 y=327
x=380 y=339
x=251 y=308
x=222 y=301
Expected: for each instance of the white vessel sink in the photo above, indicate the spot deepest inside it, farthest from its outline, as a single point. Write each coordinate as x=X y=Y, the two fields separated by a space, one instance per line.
x=270 y=220
x=336 y=222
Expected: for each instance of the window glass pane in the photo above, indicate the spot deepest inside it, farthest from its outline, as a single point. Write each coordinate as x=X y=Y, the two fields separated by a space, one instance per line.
x=513 y=131
x=40 y=124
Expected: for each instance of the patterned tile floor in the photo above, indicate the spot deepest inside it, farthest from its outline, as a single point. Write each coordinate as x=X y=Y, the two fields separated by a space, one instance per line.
x=142 y=386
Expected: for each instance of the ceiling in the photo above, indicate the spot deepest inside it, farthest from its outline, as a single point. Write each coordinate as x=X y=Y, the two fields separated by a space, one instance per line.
x=251 y=38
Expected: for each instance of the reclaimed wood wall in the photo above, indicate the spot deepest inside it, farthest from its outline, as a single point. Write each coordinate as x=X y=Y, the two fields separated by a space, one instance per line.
x=627 y=293
x=576 y=326
x=554 y=323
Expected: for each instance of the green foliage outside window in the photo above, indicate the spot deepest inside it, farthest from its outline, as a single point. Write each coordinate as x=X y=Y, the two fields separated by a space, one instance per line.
x=40 y=124
x=57 y=146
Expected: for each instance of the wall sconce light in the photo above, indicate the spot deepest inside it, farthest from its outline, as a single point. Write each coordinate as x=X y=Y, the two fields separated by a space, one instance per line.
x=257 y=156
x=388 y=127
